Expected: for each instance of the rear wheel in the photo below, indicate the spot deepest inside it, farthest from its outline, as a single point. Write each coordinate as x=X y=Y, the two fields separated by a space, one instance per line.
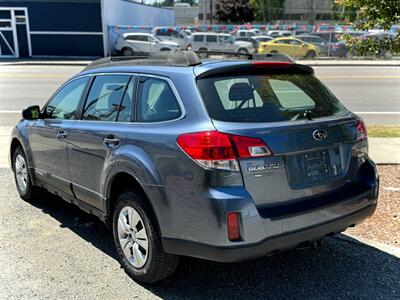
x=127 y=52
x=138 y=241
x=22 y=176
x=203 y=55
x=243 y=51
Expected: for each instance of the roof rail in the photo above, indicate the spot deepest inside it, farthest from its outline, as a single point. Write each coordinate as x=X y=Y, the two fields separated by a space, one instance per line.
x=251 y=56
x=173 y=58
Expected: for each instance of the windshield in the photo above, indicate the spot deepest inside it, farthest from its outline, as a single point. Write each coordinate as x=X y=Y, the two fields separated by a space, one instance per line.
x=268 y=98
x=155 y=38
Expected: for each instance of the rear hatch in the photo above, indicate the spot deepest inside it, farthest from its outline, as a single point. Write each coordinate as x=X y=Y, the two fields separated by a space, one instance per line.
x=307 y=130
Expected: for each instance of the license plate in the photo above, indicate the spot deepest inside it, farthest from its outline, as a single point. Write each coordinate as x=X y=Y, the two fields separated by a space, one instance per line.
x=320 y=165
x=314 y=166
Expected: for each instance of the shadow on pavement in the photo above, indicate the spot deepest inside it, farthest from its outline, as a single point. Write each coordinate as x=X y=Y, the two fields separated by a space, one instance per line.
x=339 y=269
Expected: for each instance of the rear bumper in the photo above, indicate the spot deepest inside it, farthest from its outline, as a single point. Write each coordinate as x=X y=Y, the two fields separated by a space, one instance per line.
x=271 y=244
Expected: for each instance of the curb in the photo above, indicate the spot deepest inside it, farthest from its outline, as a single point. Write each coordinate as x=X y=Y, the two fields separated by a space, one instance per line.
x=392 y=250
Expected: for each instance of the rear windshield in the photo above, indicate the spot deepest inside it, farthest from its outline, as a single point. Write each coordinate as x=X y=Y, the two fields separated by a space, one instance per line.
x=268 y=98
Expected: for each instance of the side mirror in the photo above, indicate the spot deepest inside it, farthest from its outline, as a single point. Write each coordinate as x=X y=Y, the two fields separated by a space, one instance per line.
x=31 y=113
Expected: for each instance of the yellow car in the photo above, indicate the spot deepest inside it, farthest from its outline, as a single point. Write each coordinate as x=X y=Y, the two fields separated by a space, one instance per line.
x=290 y=46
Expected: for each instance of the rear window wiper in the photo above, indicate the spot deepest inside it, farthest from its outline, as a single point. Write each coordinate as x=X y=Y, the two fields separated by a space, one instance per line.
x=307 y=114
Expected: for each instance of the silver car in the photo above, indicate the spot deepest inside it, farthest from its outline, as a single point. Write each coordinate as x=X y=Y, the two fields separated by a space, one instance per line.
x=133 y=43
x=219 y=42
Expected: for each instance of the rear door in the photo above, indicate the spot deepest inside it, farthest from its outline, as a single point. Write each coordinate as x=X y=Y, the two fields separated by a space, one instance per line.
x=308 y=131
x=212 y=43
x=95 y=139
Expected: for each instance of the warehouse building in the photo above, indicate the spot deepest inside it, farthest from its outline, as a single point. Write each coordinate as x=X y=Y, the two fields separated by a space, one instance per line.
x=68 y=28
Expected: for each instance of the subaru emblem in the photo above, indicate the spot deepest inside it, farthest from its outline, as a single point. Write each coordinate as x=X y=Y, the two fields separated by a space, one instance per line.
x=320 y=135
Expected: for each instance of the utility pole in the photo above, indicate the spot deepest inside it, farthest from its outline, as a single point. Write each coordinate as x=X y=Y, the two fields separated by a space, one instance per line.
x=211 y=12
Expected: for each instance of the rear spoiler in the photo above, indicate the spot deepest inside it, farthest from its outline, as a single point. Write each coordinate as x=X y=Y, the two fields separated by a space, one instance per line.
x=258 y=67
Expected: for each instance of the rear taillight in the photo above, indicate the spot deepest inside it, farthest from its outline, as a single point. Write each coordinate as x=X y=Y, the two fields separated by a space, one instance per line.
x=217 y=150
x=233 y=223
x=361 y=131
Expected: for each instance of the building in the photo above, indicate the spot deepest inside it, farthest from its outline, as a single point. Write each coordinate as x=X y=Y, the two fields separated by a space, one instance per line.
x=72 y=28
x=308 y=10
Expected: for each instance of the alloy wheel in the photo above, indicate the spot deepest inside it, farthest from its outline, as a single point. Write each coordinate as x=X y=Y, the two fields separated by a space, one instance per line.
x=133 y=237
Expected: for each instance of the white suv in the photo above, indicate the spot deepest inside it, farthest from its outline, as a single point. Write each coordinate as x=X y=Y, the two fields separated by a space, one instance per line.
x=133 y=43
x=218 y=42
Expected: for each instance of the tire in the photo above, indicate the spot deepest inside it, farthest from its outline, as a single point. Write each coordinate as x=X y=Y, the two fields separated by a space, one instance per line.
x=22 y=176
x=243 y=51
x=203 y=55
x=146 y=266
x=165 y=49
x=128 y=52
x=311 y=54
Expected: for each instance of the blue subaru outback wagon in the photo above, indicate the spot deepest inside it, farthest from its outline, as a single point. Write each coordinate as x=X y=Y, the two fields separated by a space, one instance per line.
x=221 y=160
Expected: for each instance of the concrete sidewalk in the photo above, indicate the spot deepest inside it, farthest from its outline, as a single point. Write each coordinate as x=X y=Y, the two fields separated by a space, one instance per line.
x=382 y=150
x=314 y=62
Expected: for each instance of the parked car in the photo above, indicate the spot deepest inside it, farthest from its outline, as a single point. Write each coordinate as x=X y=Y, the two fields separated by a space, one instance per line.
x=300 y=32
x=139 y=43
x=279 y=33
x=322 y=45
x=224 y=161
x=244 y=33
x=337 y=47
x=210 y=41
x=291 y=46
x=255 y=40
x=251 y=40
x=262 y=38
x=167 y=34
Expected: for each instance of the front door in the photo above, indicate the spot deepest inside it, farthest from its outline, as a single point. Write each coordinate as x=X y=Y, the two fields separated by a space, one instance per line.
x=95 y=139
x=49 y=136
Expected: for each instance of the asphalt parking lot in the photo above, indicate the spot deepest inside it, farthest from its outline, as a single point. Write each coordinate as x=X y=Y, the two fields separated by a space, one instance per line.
x=50 y=249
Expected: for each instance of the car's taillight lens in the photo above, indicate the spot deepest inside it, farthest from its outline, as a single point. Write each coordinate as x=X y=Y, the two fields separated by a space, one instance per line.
x=217 y=150
x=361 y=131
x=233 y=224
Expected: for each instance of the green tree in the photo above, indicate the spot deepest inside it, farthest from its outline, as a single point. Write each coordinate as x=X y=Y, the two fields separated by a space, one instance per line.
x=237 y=11
x=372 y=14
x=268 y=10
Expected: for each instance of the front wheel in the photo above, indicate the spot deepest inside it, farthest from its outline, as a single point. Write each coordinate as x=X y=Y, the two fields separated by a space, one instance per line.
x=138 y=241
x=22 y=176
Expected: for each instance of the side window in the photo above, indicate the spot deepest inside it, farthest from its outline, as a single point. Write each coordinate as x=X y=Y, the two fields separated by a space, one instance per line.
x=294 y=42
x=156 y=102
x=126 y=108
x=105 y=97
x=211 y=38
x=65 y=103
x=198 y=38
x=132 y=38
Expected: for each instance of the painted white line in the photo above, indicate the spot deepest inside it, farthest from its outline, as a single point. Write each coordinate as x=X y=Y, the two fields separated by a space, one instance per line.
x=377 y=112
x=10 y=111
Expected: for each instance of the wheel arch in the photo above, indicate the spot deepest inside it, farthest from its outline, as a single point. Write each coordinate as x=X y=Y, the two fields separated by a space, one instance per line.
x=15 y=142
x=119 y=181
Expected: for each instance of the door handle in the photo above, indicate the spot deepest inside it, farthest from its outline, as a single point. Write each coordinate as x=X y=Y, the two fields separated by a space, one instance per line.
x=111 y=141
x=61 y=135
